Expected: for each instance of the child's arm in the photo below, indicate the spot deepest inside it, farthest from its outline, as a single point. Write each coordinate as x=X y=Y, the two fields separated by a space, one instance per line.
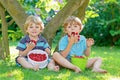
x=90 y=42
x=30 y=46
x=65 y=52
x=87 y=51
x=72 y=40
x=48 y=51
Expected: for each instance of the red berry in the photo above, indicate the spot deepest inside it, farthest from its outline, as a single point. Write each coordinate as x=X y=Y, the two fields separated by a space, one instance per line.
x=37 y=57
x=76 y=33
x=33 y=41
x=78 y=56
x=78 y=37
x=73 y=33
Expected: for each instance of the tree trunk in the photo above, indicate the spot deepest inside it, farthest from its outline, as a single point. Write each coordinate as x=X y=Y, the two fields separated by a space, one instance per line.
x=16 y=11
x=1 y=51
x=80 y=12
x=5 y=42
x=59 y=18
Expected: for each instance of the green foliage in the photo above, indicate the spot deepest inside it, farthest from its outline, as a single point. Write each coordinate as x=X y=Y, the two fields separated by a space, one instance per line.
x=117 y=42
x=56 y=39
x=28 y=5
x=46 y=9
x=113 y=33
x=15 y=35
x=102 y=22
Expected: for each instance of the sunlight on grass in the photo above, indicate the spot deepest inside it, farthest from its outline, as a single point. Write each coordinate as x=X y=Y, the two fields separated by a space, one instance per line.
x=61 y=76
x=111 y=77
x=13 y=50
x=93 y=52
x=64 y=76
x=114 y=78
x=13 y=53
x=105 y=53
x=17 y=74
x=47 y=77
x=81 y=78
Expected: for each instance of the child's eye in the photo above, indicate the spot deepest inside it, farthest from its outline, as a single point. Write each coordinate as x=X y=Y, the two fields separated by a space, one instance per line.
x=37 y=26
x=31 y=27
x=75 y=26
x=69 y=26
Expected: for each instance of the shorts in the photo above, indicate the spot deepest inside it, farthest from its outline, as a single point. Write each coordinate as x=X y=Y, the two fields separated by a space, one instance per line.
x=49 y=59
x=69 y=59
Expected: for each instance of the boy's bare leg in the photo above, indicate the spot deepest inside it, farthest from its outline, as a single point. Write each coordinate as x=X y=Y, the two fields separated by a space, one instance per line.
x=64 y=62
x=26 y=64
x=95 y=63
x=52 y=66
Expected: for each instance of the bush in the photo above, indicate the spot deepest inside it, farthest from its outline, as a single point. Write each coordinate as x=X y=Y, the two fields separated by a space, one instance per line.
x=103 y=23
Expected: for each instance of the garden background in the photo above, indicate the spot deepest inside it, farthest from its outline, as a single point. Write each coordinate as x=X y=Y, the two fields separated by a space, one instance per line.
x=101 y=20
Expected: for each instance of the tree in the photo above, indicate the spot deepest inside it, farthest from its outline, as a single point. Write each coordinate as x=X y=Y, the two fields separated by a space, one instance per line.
x=16 y=11
x=1 y=51
x=4 y=48
x=73 y=7
x=68 y=10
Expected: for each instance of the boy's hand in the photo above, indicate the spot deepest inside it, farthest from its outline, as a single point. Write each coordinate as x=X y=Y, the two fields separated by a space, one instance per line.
x=73 y=39
x=30 y=45
x=90 y=42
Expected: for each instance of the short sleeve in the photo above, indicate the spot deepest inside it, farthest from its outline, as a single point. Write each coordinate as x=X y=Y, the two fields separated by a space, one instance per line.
x=85 y=44
x=21 y=45
x=46 y=45
x=63 y=43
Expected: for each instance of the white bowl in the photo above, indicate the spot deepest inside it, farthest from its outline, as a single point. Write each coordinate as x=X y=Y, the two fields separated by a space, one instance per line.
x=43 y=63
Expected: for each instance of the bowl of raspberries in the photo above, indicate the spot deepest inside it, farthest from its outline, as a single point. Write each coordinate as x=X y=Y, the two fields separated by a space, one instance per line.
x=38 y=57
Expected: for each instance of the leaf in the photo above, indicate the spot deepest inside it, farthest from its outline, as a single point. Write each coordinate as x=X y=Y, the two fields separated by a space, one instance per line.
x=113 y=32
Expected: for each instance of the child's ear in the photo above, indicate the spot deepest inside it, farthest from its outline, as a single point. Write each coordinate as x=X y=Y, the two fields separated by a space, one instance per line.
x=65 y=31
x=81 y=28
x=26 y=31
x=41 y=29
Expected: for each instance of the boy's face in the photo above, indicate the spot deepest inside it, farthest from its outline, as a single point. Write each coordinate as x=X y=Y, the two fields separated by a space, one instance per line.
x=34 y=30
x=73 y=28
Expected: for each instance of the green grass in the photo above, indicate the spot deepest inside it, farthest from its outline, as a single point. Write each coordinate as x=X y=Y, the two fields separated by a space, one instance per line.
x=111 y=62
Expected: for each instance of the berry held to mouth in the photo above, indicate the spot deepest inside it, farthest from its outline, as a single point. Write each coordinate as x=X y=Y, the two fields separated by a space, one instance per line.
x=75 y=33
x=33 y=41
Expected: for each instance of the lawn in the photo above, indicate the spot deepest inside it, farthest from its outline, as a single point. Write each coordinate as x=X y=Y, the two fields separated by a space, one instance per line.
x=111 y=62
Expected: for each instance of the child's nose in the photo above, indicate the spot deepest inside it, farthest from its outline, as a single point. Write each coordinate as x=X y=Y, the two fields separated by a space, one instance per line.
x=34 y=28
x=72 y=28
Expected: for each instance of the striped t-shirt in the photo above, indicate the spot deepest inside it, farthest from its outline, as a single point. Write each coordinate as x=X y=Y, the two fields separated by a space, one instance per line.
x=42 y=44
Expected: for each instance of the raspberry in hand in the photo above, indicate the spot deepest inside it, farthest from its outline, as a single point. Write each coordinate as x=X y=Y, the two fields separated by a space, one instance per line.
x=33 y=41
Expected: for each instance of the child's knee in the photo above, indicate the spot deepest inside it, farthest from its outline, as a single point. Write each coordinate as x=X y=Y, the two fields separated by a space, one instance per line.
x=98 y=58
x=51 y=61
x=18 y=59
x=55 y=54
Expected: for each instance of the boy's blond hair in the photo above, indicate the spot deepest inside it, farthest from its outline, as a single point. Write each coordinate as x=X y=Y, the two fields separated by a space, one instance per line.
x=33 y=19
x=72 y=20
